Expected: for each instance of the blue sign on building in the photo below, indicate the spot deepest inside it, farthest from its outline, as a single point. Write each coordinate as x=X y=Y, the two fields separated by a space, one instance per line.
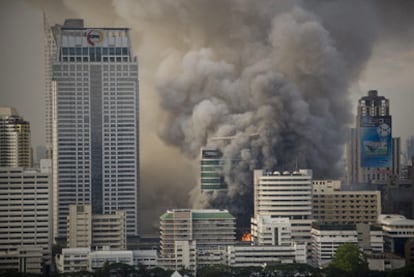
x=376 y=141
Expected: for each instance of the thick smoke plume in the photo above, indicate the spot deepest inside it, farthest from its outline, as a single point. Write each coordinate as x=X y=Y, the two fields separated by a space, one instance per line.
x=272 y=75
x=268 y=76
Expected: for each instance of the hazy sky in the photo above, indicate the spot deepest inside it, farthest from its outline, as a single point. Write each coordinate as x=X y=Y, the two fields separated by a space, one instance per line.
x=390 y=70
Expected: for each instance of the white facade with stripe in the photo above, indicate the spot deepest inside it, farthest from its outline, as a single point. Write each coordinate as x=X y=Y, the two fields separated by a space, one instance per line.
x=285 y=195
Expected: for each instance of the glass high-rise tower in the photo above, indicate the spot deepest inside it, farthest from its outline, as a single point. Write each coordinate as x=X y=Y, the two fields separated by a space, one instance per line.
x=95 y=127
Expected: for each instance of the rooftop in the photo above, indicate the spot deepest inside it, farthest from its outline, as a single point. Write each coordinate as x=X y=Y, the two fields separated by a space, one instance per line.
x=395 y=219
x=200 y=214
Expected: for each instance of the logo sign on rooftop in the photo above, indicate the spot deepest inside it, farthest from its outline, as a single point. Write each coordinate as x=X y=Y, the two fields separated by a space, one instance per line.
x=94 y=36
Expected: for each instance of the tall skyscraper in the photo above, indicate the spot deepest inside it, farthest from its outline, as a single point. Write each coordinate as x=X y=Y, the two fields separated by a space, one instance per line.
x=374 y=139
x=95 y=129
x=15 y=149
x=49 y=54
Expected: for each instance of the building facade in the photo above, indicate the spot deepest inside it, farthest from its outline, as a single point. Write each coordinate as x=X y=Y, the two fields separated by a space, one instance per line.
x=271 y=231
x=191 y=231
x=375 y=157
x=326 y=238
x=25 y=219
x=211 y=170
x=96 y=231
x=15 y=148
x=398 y=234
x=84 y=259
x=346 y=207
x=109 y=230
x=79 y=226
x=247 y=256
x=285 y=195
x=351 y=154
x=95 y=129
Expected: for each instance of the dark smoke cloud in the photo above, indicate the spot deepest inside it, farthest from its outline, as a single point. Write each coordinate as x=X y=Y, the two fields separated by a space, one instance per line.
x=276 y=83
x=274 y=75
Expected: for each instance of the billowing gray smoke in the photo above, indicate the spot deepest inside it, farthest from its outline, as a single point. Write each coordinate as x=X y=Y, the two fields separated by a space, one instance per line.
x=271 y=74
x=273 y=81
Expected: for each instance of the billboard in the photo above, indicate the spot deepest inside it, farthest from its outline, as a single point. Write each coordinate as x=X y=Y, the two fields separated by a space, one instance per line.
x=376 y=141
x=207 y=153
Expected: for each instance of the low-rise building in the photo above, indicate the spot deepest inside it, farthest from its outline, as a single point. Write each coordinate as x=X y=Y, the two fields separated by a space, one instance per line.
x=185 y=232
x=79 y=226
x=266 y=230
x=385 y=262
x=255 y=255
x=83 y=259
x=97 y=231
x=109 y=230
x=326 y=238
x=398 y=234
x=97 y=259
x=73 y=260
x=25 y=219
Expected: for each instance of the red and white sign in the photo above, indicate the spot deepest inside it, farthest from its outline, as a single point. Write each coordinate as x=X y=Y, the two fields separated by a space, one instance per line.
x=94 y=36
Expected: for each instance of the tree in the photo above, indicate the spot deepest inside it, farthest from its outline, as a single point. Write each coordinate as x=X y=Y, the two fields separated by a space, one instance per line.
x=349 y=258
x=215 y=270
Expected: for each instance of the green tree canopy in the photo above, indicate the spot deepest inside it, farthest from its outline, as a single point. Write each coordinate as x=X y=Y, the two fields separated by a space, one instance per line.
x=350 y=259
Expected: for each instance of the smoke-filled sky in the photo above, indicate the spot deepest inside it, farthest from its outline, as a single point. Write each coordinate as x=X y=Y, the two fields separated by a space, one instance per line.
x=282 y=77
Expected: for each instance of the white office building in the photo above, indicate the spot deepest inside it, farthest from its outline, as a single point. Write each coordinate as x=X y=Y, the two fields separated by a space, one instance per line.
x=398 y=233
x=266 y=230
x=285 y=195
x=73 y=260
x=262 y=255
x=326 y=238
x=95 y=126
x=25 y=219
x=83 y=259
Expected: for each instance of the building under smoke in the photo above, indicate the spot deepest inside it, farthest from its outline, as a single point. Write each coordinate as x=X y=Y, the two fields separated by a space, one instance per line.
x=211 y=170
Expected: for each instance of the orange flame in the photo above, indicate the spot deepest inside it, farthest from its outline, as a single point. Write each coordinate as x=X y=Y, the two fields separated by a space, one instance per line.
x=246 y=237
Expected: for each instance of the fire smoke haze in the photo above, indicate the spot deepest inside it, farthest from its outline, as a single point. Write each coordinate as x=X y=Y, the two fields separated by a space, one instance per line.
x=274 y=75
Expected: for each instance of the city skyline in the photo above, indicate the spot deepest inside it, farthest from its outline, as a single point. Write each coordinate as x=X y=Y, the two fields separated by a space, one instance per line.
x=387 y=70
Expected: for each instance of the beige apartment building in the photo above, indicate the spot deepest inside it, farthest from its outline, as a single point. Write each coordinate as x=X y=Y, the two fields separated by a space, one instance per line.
x=96 y=231
x=25 y=219
x=346 y=207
